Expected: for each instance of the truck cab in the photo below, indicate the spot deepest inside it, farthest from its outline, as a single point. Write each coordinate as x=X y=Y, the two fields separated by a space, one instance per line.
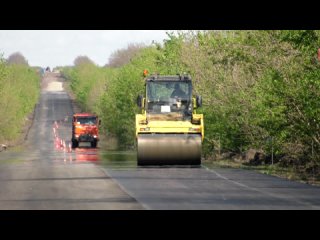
x=85 y=128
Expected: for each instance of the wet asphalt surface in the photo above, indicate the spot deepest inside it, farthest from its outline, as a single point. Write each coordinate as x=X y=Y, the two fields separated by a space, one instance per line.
x=44 y=174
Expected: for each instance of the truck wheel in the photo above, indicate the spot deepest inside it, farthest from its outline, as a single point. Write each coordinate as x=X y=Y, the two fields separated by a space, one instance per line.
x=75 y=143
x=94 y=144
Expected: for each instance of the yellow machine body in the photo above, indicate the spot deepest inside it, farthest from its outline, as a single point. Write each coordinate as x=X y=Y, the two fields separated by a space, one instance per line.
x=169 y=137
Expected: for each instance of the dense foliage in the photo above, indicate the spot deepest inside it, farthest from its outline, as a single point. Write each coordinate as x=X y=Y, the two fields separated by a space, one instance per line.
x=260 y=89
x=19 y=91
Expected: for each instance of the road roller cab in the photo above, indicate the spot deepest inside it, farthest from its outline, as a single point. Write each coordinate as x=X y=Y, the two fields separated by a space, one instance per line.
x=168 y=130
x=85 y=129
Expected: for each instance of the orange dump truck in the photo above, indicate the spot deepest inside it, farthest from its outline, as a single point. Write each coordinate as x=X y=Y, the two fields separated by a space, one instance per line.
x=85 y=129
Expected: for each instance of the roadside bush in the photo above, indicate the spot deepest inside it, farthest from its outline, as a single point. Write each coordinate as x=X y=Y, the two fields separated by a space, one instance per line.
x=260 y=89
x=19 y=92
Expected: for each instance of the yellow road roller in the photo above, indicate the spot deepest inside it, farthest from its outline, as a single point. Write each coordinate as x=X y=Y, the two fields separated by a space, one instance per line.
x=168 y=129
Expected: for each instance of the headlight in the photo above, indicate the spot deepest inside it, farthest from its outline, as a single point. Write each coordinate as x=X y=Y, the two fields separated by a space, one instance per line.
x=194 y=129
x=145 y=129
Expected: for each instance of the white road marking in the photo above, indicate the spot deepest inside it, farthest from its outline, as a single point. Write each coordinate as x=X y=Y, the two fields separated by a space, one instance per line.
x=257 y=190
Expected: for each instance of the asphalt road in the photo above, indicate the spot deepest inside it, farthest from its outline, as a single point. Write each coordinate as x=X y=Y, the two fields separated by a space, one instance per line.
x=220 y=189
x=45 y=175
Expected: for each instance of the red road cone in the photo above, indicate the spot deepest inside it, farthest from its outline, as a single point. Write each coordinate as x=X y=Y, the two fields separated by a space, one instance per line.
x=70 y=148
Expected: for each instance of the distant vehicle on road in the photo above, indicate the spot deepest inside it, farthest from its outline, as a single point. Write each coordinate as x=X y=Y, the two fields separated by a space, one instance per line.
x=42 y=71
x=85 y=129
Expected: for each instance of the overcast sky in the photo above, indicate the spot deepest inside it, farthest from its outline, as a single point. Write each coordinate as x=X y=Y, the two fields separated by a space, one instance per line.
x=61 y=47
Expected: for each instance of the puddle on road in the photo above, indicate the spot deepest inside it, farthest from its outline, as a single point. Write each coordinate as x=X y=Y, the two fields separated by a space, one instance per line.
x=80 y=155
x=106 y=159
x=85 y=154
x=118 y=159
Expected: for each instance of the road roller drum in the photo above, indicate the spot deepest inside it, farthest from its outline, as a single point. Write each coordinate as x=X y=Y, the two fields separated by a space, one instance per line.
x=169 y=149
